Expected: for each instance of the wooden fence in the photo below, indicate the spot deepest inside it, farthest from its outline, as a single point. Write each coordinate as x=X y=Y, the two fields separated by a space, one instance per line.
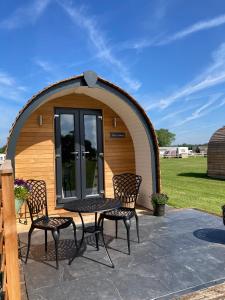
x=185 y=156
x=9 y=262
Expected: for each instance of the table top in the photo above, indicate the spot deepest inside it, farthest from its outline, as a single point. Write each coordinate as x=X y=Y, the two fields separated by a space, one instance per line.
x=92 y=205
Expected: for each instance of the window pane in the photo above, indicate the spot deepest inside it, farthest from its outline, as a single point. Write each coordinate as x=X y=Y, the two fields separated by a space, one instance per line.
x=67 y=154
x=90 y=137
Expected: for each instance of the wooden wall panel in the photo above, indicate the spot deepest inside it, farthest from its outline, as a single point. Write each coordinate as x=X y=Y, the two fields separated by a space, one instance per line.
x=35 y=156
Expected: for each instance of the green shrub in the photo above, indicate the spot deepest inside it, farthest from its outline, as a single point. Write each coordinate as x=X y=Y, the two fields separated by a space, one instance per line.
x=158 y=198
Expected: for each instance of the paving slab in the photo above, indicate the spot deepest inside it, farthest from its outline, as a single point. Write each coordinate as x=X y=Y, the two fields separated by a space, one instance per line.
x=179 y=253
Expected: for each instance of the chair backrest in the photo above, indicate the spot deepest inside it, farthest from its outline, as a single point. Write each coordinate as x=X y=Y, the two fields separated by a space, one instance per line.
x=37 y=200
x=126 y=187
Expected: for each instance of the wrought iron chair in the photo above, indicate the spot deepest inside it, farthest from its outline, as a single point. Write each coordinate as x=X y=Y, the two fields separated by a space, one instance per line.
x=126 y=188
x=37 y=204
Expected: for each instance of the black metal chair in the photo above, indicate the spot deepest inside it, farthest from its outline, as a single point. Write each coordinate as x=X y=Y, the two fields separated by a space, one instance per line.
x=126 y=188
x=37 y=204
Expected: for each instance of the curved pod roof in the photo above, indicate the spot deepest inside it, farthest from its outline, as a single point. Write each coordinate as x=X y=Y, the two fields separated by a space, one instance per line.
x=122 y=103
x=218 y=136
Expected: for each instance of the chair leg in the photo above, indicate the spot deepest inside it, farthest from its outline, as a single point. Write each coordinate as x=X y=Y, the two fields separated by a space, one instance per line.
x=127 y=224
x=100 y=222
x=46 y=241
x=75 y=233
x=29 y=240
x=116 y=228
x=101 y=225
x=96 y=241
x=137 y=226
x=19 y=247
x=55 y=235
x=96 y=234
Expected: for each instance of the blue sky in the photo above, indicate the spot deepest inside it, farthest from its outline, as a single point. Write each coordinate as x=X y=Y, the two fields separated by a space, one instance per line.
x=170 y=55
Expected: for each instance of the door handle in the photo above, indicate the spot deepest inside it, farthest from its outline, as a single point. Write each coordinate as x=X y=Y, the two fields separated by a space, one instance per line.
x=84 y=153
x=76 y=153
x=101 y=154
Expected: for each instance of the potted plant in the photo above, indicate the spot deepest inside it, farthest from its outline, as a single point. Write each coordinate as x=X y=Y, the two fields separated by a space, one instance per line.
x=223 y=211
x=21 y=192
x=159 y=200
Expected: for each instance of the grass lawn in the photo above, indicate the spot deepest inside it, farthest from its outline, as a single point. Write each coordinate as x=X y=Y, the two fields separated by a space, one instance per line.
x=187 y=185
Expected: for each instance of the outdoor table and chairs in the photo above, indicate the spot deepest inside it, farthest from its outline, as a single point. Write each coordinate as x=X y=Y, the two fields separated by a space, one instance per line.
x=121 y=207
x=126 y=188
x=92 y=205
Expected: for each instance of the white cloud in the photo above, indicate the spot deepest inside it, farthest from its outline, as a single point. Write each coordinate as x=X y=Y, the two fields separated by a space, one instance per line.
x=160 y=9
x=199 y=26
x=9 y=88
x=160 y=41
x=8 y=115
x=44 y=65
x=212 y=76
x=25 y=14
x=203 y=110
x=175 y=113
x=97 y=39
x=52 y=72
x=6 y=80
x=138 y=44
x=222 y=103
x=12 y=95
x=199 y=135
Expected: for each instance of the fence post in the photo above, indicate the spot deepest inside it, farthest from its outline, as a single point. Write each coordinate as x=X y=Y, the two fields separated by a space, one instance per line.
x=10 y=232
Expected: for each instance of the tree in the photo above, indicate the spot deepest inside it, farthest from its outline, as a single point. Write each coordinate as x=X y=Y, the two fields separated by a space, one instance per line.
x=165 y=137
x=2 y=149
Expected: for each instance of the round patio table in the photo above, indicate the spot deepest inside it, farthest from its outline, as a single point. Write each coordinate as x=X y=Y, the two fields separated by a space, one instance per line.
x=92 y=205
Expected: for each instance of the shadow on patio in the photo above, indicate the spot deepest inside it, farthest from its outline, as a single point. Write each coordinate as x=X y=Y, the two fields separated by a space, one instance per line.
x=211 y=235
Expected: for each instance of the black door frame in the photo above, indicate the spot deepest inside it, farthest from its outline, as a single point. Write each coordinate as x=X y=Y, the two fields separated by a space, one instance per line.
x=78 y=149
x=98 y=115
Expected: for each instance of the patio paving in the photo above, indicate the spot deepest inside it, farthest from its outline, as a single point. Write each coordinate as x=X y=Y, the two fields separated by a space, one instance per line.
x=179 y=253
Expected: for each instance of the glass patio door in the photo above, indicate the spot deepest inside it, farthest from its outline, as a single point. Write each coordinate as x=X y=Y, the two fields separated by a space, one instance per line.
x=79 y=154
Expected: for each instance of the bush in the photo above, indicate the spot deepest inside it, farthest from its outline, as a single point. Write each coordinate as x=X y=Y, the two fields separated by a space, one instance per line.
x=158 y=198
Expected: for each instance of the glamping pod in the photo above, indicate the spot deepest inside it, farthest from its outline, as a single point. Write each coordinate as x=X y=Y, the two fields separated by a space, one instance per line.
x=77 y=133
x=216 y=154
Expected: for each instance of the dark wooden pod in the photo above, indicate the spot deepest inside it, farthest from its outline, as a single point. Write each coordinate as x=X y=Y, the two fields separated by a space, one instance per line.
x=216 y=154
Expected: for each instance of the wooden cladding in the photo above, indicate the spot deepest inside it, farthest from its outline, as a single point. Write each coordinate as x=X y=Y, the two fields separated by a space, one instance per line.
x=35 y=150
x=9 y=263
x=216 y=154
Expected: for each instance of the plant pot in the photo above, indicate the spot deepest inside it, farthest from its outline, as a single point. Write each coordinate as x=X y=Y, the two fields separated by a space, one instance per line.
x=223 y=209
x=18 y=204
x=159 y=210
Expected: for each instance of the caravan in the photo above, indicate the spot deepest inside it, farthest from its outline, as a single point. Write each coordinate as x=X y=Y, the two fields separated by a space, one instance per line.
x=178 y=152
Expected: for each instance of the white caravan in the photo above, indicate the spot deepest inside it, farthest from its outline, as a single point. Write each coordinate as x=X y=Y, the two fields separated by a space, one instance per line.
x=179 y=152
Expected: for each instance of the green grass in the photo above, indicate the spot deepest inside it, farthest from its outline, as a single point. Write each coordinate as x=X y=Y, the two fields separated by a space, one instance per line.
x=187 y=185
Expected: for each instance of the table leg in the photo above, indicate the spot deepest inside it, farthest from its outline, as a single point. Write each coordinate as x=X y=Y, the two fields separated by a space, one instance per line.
x=100 y=224
x=98 y=227
x=81 y=242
